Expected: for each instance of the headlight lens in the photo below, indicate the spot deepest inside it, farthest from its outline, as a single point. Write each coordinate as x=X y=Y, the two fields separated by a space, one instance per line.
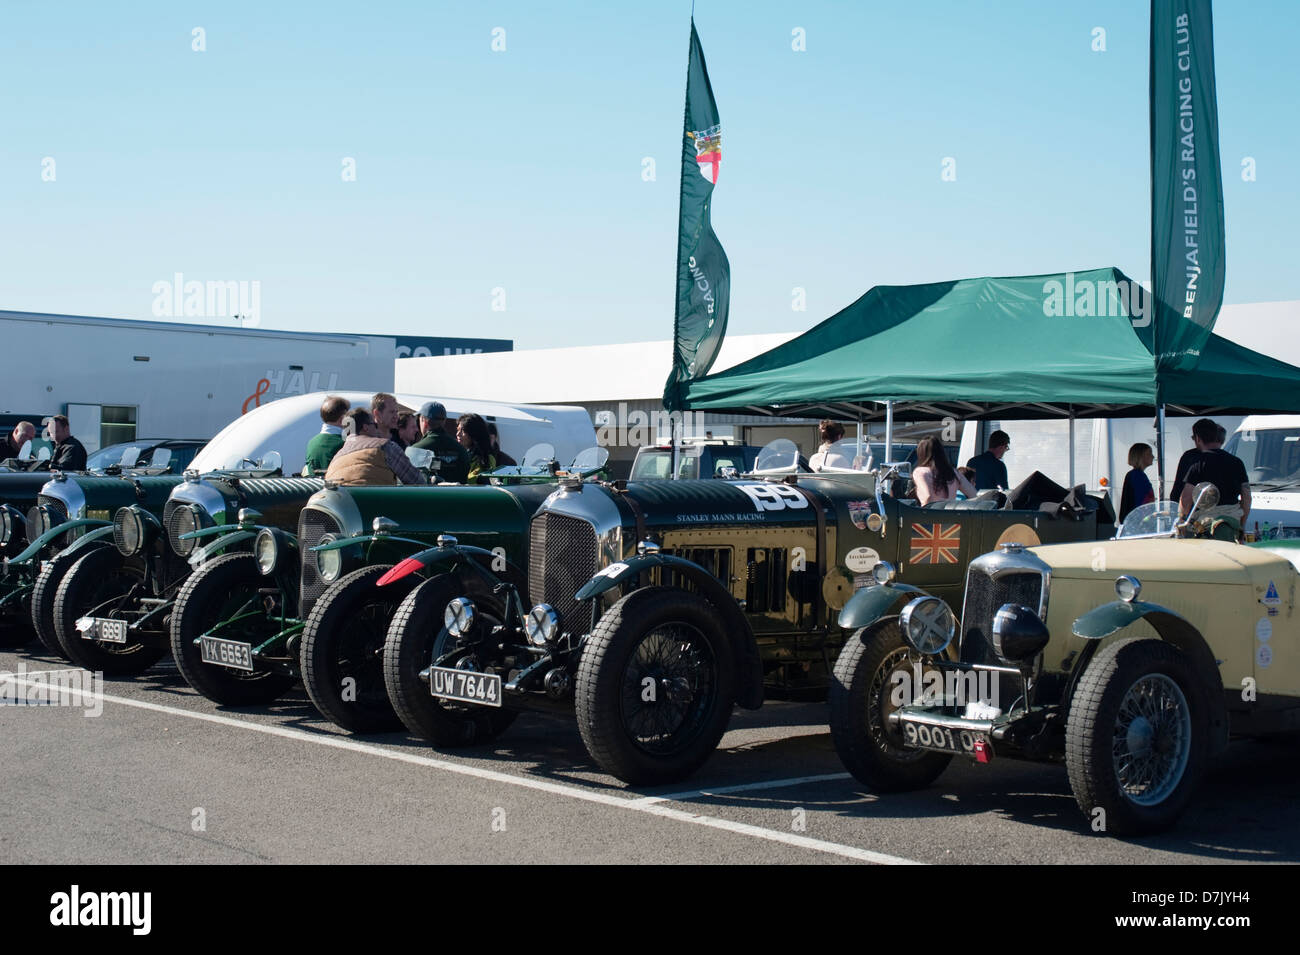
x=459 y=616
x=128 y=532
x=267 y=550
x=884 y=572
x=542 y=625
x=329 y=563
x=928 y=624
x=184 y=520
x=1128 y=588
x=36 y=518
x=6 y=526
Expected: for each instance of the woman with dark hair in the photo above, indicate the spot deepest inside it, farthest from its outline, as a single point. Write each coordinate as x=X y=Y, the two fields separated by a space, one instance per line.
x=934 y=476
x=472 y=433
x=828 y=456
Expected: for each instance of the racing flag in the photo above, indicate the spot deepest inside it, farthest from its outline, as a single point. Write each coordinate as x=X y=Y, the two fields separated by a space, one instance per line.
x=1186 y=184
x=703 y=274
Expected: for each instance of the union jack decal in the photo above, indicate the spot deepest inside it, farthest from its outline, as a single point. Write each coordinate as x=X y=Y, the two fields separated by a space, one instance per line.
x=935 y=543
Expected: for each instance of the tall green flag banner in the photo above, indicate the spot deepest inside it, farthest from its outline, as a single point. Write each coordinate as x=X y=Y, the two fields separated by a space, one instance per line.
x=703 y=273
x=1187 y=255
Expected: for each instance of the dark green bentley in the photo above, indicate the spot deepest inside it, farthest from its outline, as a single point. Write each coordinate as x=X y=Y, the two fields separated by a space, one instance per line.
x=661 y=605
x=308 y=606
x=114 y=608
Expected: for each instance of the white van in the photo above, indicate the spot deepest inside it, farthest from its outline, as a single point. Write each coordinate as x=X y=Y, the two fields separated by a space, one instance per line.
x=1101 y=447
x=288 y=424
x=1269 y=446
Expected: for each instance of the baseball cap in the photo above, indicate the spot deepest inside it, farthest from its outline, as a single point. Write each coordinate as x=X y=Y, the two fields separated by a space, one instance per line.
x=433 y=410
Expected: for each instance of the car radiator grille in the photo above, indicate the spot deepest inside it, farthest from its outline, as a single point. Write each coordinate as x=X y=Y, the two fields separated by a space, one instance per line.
x=984 y=595
x=312 y=526
x=175 y=567
x=562 y=556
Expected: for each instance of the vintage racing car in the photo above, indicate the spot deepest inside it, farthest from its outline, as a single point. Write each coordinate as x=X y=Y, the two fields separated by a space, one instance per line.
x=113 y=609
x=1134 y=694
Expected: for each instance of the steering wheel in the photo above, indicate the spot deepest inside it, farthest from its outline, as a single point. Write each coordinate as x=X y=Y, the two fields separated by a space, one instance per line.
x=1262 y=473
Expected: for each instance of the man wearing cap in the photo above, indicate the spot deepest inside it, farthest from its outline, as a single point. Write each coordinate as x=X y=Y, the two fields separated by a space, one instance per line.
x=990 y=472
x=454 y=460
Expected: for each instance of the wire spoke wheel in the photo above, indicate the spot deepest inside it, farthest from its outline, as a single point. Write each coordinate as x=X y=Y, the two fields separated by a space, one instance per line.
x=1151 y=740
x=668 y=688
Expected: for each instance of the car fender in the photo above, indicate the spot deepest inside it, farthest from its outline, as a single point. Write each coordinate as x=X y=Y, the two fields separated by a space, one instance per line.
x=871 y=603
x=750 y=691
x=236 y=535
x=1112 y=618
x=35 y=546
x=443 y=557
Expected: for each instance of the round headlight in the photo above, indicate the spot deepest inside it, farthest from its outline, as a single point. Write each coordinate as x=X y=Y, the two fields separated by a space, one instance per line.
x=1128 y=588
x=184 y=520
x=928 y=624
x=329 y=563
x=6 y=526
x=884 y=572
x=266 y=551
x=35 y=522
x=542 y=625
x=459 y=616
x=128 y=531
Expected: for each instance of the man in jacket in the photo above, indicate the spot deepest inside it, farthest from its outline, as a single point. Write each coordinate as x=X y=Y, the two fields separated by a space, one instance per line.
x=454 y=460
x=322 y=447
x=69 y=453
x=11 y=445
x=366 y=457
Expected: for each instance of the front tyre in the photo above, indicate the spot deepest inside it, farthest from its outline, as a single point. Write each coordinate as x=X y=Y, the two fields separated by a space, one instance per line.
x=342 y=650
x=44 y=592
x=861 y=699
x=1136 y=740
x=655 y=686
x=93 y=587
x=224 y=589
x=416 y=638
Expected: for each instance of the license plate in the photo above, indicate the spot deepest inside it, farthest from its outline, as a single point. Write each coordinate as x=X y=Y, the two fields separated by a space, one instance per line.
x=466 y=686
x=109 y=631
x=227 y=653
x=943 y=739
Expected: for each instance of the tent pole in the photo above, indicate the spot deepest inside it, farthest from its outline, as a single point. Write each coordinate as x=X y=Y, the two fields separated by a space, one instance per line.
x=859 y=457
x=1071 y=447
x=672 y=440
x=889 y=431
x=1160 y=452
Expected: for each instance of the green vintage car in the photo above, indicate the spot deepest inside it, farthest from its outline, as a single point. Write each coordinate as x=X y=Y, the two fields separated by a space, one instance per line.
x=113 y=609
x=248 y=626
x=659 y=605
x=1129 y=660
x=18 y=494
x=71 y=520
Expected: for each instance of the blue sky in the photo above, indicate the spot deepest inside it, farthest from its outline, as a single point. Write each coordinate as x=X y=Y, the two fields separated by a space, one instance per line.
x=522 y=169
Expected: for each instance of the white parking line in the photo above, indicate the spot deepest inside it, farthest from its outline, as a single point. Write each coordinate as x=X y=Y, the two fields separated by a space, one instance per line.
x=653 y=807
x=742 y=788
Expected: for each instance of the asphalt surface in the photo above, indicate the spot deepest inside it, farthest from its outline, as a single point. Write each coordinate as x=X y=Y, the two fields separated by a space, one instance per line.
x=163 y=775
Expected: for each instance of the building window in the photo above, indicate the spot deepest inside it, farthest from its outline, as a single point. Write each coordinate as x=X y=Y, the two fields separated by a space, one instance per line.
x=116 y=425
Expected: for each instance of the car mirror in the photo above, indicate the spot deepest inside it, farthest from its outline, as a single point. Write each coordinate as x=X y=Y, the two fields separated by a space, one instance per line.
x=1207 y=496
